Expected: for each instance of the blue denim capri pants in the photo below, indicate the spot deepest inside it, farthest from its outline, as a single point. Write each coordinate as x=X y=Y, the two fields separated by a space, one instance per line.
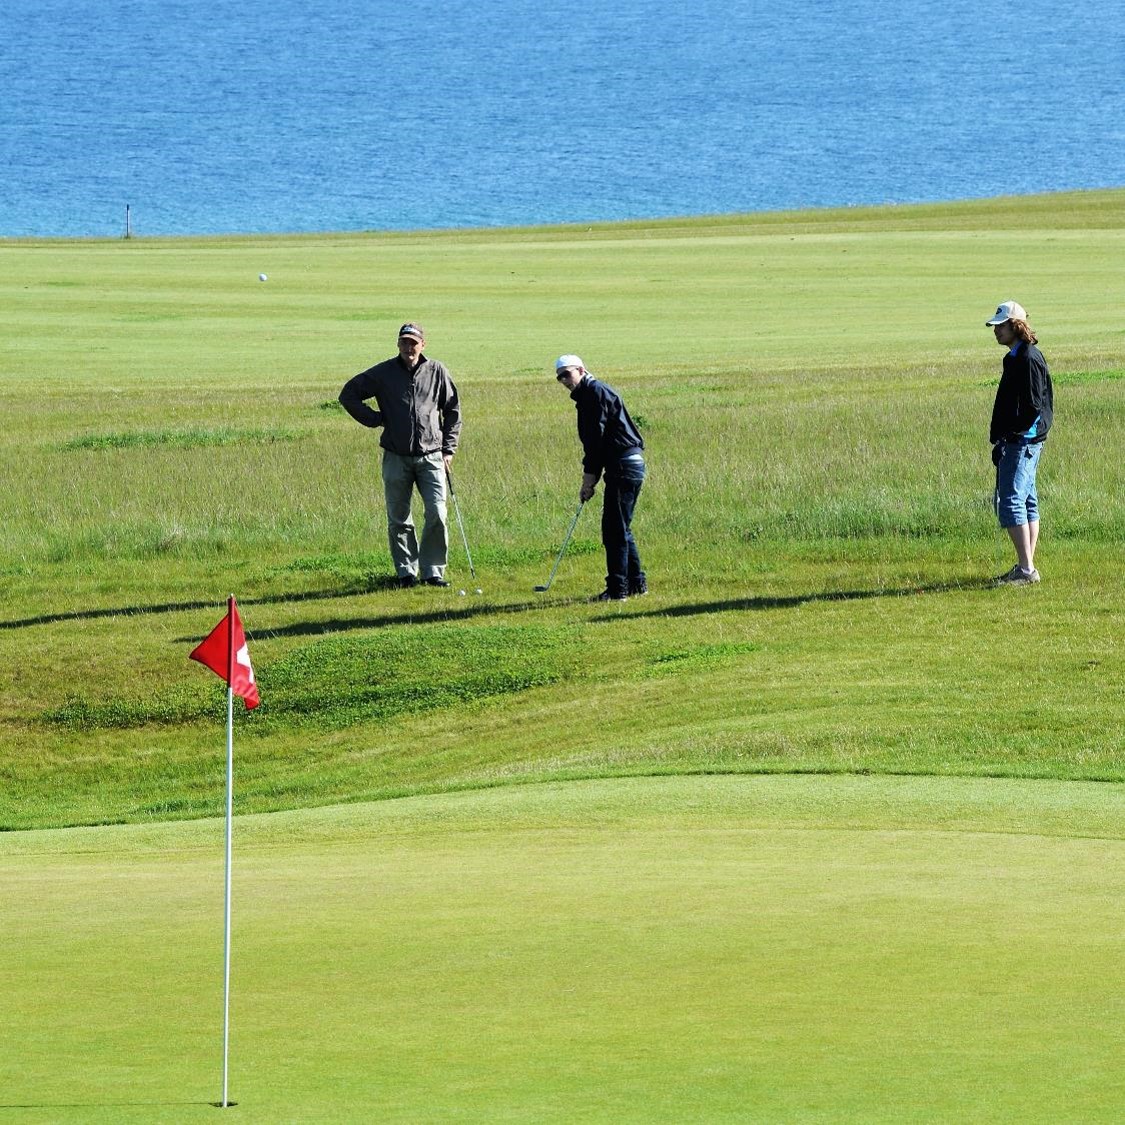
x=1016 y=500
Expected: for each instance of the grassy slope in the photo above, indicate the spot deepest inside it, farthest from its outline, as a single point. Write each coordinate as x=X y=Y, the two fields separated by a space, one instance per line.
x=812 y=949
x=814 y=390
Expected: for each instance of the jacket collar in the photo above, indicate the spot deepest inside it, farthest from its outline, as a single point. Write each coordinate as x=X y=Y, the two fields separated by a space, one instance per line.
x=582 y=387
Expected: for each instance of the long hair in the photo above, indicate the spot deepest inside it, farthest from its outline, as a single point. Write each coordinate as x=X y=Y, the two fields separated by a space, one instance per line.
x=1023 y=331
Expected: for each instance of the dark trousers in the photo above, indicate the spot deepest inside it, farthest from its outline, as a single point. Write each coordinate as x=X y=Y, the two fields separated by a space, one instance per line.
x=623 y=564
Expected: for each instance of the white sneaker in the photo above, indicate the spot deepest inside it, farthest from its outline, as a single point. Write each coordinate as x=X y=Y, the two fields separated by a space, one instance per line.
x=1017 y=576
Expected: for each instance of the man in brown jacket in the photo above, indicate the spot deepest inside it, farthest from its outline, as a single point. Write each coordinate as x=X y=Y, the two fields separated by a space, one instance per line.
x=421 y=419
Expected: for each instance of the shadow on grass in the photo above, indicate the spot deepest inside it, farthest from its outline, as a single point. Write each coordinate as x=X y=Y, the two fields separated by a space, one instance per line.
x=102 y=1105
x=367 y=587
x=433 y=616
x=792 y=601
x=456 y=612
x=616 y=611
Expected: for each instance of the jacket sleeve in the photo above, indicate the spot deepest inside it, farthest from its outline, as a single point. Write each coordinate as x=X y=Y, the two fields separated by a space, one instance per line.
x=352 y=399
x=1029 y=396
x=1040 y=391
x=997 y=429
x=591 y=432
x=450 y=417
x=1013 y=411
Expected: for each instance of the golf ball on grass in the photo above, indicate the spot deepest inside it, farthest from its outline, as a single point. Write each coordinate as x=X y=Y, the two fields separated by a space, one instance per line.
x=262 y=277
x=479 y=590
x=461 y=593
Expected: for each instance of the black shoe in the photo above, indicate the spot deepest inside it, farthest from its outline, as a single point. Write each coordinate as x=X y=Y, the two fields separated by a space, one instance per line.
x=610 y=596
x=435 y=580
x=638 y=588
x=407 y=580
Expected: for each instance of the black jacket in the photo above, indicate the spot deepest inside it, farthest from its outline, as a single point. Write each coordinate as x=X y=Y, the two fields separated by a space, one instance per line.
x=1024 y=394
x=605 y=429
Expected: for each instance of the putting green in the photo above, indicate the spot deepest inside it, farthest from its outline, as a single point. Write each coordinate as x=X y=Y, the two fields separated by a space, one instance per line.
x=661 y=949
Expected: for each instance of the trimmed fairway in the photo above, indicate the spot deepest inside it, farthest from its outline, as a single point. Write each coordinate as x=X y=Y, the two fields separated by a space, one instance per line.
x=766 y=949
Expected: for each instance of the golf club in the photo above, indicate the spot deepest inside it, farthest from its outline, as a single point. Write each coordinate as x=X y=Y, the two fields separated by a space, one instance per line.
x=562 y=550
x=460 y=523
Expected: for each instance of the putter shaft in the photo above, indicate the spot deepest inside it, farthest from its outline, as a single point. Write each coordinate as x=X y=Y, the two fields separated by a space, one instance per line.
x=562 y=549
x=460 y=522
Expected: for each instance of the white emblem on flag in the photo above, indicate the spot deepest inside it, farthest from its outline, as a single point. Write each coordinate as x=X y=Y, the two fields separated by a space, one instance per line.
x=243 y=657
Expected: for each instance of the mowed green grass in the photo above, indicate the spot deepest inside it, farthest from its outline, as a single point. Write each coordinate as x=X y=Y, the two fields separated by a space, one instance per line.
x=814 y=390
x=704 y=949
x=699 y=910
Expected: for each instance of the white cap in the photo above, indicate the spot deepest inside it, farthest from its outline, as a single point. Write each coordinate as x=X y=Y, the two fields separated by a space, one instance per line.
x=569 y=361
x=1009 y=310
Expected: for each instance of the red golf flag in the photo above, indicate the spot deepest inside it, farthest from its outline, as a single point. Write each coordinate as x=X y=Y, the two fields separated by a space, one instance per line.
x=224 y=651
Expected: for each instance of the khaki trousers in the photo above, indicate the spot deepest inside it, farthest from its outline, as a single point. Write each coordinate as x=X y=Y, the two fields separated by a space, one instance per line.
x=400 y=477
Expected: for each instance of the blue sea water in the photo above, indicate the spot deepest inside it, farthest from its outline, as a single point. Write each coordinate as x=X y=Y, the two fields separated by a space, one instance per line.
x=293 y=115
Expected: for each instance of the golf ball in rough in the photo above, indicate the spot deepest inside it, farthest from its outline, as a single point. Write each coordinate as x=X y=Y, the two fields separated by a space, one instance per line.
x=461 y=592
x=262 y=277
x=479 y=590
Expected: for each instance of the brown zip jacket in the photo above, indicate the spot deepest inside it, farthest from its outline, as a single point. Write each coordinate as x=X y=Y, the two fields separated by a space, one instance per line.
x=419 y=411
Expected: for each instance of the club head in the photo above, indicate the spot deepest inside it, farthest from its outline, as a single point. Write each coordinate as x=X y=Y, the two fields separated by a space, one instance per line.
x=540 y=589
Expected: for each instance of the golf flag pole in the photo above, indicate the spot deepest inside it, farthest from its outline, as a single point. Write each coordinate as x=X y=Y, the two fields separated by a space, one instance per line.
x=230 y=817
x=225 y=652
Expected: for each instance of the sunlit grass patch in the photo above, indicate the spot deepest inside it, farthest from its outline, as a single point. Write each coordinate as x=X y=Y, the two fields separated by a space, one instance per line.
x=181 y=438
x=1063 y=378
x=501 y=557
x=370 y=569
x=343 y=680
x=139 y=541
x=339 y=681
x=698 y=657
x=357 y=566
x=170 y=707
x=1066 y=378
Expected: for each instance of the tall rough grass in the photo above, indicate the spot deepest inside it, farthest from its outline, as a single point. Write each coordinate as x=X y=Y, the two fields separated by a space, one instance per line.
x=814 y=393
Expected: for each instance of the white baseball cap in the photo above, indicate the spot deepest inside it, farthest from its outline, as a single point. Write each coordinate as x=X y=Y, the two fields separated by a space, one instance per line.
x=569 y=361
x=1009 y=310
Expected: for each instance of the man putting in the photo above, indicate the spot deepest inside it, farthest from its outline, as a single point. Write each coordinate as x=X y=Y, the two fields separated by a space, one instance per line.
x=611 y=447
x=1021 y=417
x=421 y=419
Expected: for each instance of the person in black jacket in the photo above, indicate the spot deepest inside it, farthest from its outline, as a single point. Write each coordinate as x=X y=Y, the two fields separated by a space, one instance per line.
x=1021 y=417
x=612 y=447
